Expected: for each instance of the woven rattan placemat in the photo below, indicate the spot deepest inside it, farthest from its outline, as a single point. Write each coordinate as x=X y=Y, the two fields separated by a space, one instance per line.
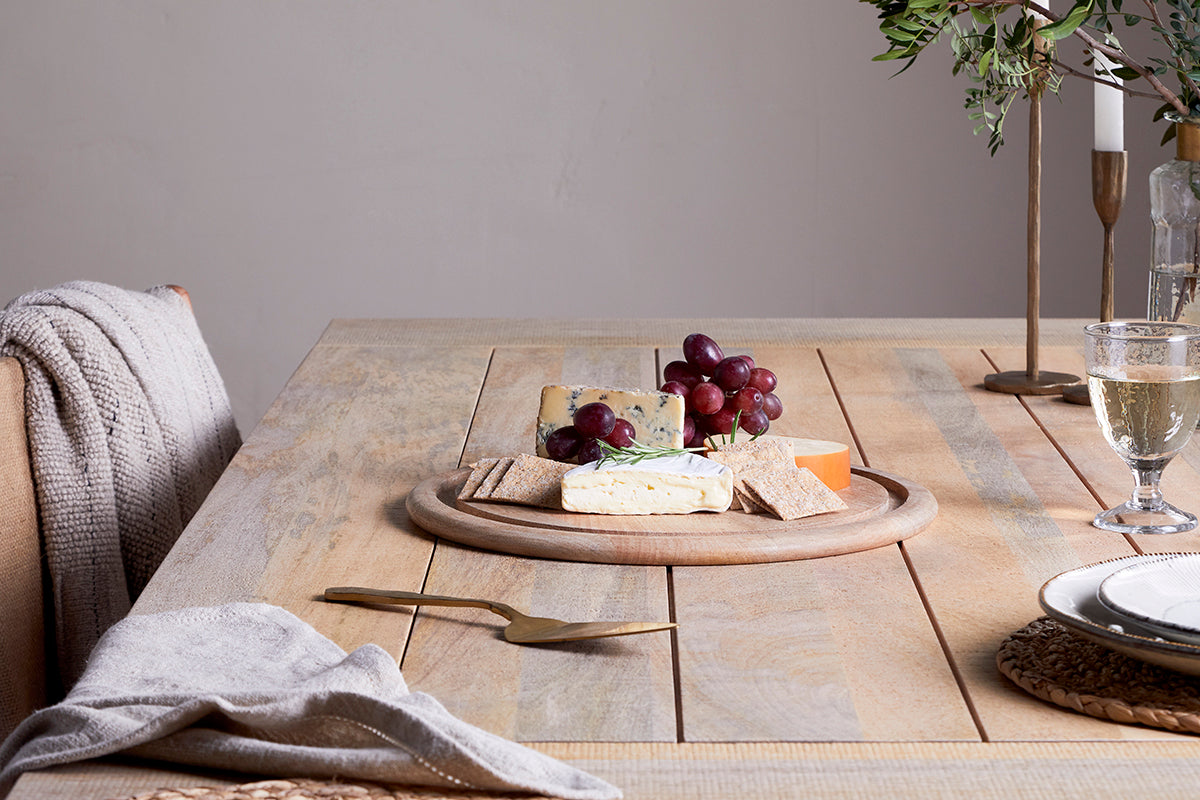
x=1051 y=663
x=304 y=789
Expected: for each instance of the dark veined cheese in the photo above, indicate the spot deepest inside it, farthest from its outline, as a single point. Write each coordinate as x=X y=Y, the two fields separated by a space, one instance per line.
x=657 y=417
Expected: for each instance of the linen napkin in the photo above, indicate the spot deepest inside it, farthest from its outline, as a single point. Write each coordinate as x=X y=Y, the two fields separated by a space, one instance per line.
x=250 y=687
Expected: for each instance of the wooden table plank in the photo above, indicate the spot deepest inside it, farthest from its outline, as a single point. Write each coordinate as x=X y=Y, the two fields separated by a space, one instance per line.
x=993 y=544
x=796 y=651
x=621 y=689
x=321 y=482
x=781 y=771
x=735 y=333
x=920 y=771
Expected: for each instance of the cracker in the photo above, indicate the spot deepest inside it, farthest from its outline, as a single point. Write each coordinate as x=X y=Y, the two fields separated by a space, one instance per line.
x=479 y=471
x=493 y=478
x=793 y=494
x=769 y=448
x=738 y=460
x=532 y=481
x=752 y=463
x=749 y=504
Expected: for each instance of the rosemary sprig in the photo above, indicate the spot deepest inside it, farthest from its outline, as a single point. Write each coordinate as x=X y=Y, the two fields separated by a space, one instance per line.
x=737 y=418
x=636 y=451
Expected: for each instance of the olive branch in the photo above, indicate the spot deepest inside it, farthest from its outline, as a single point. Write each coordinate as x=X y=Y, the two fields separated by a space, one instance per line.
x=1016 y=56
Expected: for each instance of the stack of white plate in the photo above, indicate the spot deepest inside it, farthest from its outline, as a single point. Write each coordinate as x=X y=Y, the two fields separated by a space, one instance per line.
x=1145 y=607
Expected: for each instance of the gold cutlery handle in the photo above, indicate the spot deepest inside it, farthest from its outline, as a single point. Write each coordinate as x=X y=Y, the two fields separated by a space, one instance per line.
x=358 y=594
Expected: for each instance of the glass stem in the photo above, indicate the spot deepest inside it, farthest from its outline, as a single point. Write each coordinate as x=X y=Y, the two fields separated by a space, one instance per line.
x=1146 y=495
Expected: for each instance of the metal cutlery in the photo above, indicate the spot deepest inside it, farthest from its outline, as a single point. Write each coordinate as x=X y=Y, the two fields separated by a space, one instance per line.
x=521 y=629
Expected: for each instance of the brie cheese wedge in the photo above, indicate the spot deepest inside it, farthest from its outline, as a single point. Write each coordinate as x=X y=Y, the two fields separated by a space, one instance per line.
x=677 y=484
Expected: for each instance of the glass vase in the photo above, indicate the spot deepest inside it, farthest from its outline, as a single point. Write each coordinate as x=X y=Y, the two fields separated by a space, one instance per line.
x=1175 y=240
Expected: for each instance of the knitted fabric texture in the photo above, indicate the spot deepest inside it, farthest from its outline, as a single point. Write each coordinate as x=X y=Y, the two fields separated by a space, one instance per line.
x=129 y=427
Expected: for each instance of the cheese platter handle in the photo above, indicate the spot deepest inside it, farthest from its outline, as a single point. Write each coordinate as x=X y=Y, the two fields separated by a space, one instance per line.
x=357 y=594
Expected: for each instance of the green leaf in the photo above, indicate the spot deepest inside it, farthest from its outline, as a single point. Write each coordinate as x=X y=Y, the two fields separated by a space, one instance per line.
x=980 y=16
x=1068 y=24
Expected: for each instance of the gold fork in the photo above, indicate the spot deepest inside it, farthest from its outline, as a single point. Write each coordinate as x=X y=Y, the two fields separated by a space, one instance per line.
x=522 y=628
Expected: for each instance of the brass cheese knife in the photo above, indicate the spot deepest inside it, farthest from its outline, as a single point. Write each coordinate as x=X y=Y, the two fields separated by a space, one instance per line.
x=522 y=629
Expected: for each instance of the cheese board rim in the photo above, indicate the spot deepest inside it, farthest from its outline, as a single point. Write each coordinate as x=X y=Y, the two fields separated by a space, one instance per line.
x=432 y=505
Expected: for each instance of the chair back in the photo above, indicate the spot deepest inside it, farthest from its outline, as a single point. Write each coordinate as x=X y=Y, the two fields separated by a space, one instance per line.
x=22 y=620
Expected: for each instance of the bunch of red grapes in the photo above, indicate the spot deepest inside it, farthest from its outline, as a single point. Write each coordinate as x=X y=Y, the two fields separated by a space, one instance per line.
x=580 y=439
x=715 y=388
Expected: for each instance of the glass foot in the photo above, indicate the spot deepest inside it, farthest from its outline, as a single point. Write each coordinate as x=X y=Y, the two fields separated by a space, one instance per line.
x=1128 y=518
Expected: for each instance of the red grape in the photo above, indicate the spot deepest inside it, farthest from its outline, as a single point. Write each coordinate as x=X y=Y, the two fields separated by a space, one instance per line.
x=689 y=430
x=563 y=443
x=682 y=372
x=697 y=437
x=702 y=352
x=748 y=359
x=746 y=399
x=731 y=374
x=675 y=387
x=707 y=398
x=591 y=451
x=720 y=422
x=762 y=379
x=772 y=406
x=595 y=420
x=754 y=423
x=622 y=434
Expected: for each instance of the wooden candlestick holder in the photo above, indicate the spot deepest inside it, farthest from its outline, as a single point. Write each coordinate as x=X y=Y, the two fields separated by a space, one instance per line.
x=1032 y=380
x=1108 y=195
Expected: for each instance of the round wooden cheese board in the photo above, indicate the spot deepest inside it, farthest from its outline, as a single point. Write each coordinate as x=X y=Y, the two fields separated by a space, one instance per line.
x=882 y=509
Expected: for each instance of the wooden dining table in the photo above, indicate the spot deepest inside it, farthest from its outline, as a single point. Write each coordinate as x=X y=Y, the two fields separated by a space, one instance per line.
x=868 y=673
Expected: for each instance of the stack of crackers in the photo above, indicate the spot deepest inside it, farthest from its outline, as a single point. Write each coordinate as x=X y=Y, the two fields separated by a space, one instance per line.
x=767 y=480
x=525 y=479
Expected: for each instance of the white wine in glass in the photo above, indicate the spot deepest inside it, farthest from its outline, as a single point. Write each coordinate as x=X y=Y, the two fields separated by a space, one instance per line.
x=1144 y=381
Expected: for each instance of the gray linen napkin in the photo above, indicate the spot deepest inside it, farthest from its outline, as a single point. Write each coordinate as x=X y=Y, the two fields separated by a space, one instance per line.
x=250 y=687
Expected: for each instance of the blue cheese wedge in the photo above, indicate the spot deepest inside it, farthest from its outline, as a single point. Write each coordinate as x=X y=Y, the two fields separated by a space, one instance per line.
x=657 y=417
x=668 y=485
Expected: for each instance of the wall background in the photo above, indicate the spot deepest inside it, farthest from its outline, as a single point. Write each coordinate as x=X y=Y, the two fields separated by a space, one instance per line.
x=290 y=162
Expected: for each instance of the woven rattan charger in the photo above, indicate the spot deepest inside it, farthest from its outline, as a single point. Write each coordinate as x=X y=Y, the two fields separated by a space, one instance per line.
x=1053 y=664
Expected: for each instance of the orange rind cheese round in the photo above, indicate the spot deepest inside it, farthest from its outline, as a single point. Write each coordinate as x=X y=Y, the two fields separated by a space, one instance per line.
x=829 y=461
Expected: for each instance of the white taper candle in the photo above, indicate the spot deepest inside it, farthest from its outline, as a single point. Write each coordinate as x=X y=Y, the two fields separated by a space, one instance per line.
x=1110 y=110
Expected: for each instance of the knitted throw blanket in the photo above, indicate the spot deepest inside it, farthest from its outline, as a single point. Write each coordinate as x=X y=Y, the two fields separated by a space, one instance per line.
x=129 y=427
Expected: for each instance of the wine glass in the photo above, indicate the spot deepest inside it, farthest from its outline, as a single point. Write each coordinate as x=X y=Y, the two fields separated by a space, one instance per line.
x=1144 y=381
